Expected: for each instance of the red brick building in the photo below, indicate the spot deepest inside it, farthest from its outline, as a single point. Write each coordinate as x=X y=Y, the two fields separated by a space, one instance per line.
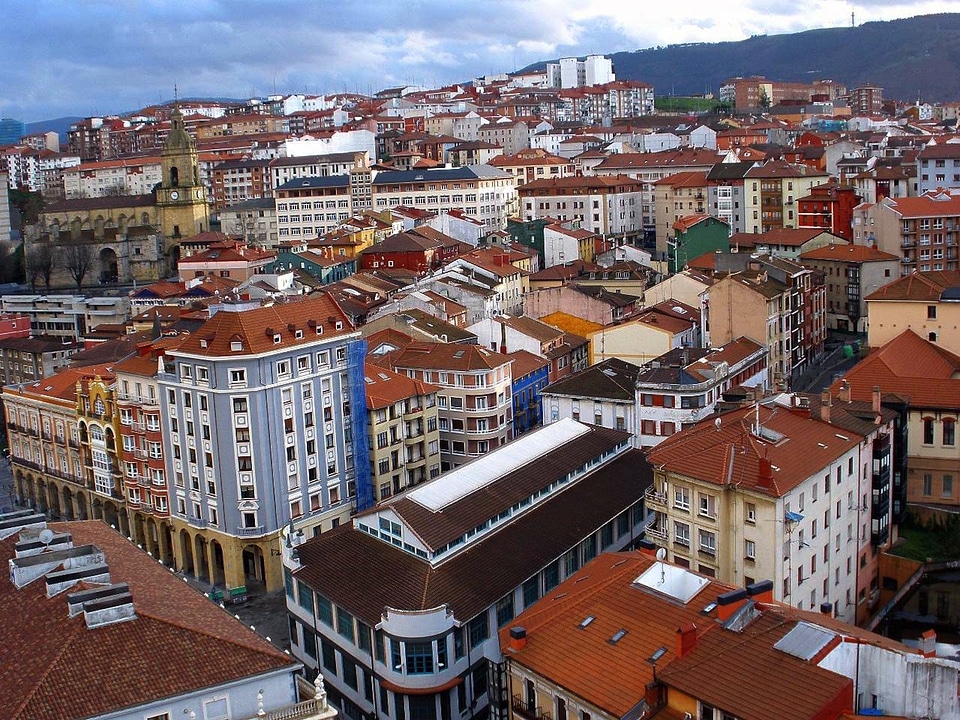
x=829 y=207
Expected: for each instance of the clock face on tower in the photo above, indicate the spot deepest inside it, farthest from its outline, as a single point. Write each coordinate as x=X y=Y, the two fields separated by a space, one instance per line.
x=174 y=195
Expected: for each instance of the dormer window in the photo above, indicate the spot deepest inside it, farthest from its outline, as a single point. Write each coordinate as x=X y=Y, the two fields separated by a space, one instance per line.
x=319 y=329
x=277 y=339
x=236 y=346
x=339 y=325
x=298 y=334
x=203 y=343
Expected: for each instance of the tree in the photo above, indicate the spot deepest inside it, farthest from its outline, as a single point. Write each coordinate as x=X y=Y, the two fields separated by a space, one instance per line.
x=78 y=260
x=28 y=203
x=41 y=263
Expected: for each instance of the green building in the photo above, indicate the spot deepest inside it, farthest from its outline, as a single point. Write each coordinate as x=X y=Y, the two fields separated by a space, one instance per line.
x=694 y=235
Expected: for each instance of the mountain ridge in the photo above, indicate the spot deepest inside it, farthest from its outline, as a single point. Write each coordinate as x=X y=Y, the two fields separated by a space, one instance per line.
x=910 y=58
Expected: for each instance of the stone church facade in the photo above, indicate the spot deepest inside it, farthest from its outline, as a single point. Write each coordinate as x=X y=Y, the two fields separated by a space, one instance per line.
x=133 y=238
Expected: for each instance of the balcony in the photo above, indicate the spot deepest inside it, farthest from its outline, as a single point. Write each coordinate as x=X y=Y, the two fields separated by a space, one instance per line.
x=655 y=497
x=656 y=533
x=530 y=712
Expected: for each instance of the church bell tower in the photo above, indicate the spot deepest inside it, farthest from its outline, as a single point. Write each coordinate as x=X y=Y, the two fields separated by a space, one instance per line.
x=181 y=199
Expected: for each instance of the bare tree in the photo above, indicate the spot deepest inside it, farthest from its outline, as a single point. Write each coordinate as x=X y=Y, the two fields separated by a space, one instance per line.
x=78 y=260
x=41 y=262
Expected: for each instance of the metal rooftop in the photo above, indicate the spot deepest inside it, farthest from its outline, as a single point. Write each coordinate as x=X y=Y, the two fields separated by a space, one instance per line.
x=469 y=478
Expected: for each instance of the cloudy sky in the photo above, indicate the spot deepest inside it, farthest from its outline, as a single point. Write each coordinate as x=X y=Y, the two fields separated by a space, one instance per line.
x=89 y=57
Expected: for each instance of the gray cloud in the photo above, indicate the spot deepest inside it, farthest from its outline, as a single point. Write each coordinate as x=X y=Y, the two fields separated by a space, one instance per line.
x=66 y=57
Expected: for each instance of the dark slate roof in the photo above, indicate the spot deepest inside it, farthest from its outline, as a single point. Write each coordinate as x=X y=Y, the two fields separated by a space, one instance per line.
x=101 y=203
x=729 y=171
x=315 y=182
x=470 y=172
x=380 y=575
x=612 y=379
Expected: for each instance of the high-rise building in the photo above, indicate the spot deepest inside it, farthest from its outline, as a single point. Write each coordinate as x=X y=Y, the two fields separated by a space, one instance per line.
x=11 y=131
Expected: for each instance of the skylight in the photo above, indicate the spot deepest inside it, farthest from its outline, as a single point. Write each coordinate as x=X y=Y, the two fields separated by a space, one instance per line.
x=617 y=636
x=586 y=621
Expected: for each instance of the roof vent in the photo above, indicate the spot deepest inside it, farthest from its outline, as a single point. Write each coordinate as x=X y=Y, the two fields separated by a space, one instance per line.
x=60 y=580
x=27 y=569
x=14 y=522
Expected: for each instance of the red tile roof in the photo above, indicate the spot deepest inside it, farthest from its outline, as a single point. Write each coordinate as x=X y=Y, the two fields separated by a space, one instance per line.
x=255 y=329
x=724 y=449
x=848 y=252
x=918 y=286
x=384 y=387
x=53 y=668
x=913 y=368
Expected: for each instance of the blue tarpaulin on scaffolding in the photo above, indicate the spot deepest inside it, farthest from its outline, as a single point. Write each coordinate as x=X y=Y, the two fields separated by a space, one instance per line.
x=794 y=517
x=356 y=355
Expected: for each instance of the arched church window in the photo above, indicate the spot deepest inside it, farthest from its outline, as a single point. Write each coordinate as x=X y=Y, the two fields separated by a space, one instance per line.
x=174 y=176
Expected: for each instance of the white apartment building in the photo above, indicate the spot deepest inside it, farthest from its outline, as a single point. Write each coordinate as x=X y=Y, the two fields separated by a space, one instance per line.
x=135 y=176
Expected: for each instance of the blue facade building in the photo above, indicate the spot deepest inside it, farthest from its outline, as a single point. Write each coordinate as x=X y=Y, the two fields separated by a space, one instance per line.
x=530 y=377
x=11 y=131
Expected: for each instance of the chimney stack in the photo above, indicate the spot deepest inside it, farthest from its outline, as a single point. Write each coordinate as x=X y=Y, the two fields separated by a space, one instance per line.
x=826 y=609
x=518 y=638
x=765 y=474
x=928 y=643
x=686 y=639
x=761 y=591
x=729 y=603
x=647 y=547
x=826 y=400
x=844 y=391
x=876 y=399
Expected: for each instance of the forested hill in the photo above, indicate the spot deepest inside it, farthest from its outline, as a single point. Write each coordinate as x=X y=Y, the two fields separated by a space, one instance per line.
x=911 y=58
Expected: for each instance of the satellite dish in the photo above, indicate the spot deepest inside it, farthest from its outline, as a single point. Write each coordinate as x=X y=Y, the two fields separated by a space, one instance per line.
x=46 y=536
x=661 y=554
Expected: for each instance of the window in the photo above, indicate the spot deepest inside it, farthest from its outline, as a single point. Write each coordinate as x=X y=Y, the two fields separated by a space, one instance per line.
x=708 y=542
x=419 y=657
x=681 y=534
x=505 y=611
x=931 y=312
x=947 y=489
x=749 y=549
x=928 y=431
x=238 y=378
x=479 y=630
x=751 y=513
x=949 y=432
x=708 y=505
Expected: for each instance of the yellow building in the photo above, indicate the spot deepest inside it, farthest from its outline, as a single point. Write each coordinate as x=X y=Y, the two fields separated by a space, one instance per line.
x=925 y=302
x=404 y=433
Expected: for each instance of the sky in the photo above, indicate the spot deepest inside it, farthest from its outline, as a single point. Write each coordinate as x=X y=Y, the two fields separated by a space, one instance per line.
x=96 y=57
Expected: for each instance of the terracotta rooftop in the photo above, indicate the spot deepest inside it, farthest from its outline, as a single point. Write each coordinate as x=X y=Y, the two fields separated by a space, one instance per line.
x=927 y=287
x=52 y=667
x=525 y=362
x=384 y=387
x=848 y=252
x=253 y=331
x=731 y=451
x=916 y=370
x=444 y=357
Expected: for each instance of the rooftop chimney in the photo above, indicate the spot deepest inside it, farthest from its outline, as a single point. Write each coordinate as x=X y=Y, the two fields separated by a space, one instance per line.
x=826 y=609
x=518 y=638
x=826 y=400
x=647 y=547
x=876 y=399
x=729 y=602
x=761 y=591
x=844 y=393
x=928 y=643
x=765 y=473
x=686 y=639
